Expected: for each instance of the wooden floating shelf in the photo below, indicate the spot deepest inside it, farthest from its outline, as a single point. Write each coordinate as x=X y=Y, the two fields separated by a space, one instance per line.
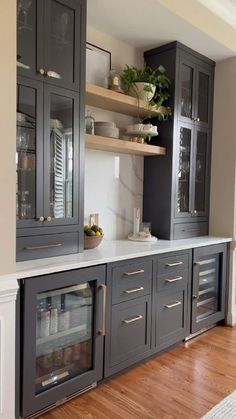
x=97 y=142
x=100 y=97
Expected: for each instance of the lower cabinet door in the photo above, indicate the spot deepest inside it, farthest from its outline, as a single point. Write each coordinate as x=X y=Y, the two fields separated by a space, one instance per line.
x=172 y=316
x=129 y=336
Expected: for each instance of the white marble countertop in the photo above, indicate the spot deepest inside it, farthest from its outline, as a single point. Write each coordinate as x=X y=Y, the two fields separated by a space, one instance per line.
x=110 y=251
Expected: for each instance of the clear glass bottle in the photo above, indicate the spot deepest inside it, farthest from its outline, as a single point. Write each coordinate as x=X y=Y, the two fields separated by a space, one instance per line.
x=89 y=123
x=114 y=81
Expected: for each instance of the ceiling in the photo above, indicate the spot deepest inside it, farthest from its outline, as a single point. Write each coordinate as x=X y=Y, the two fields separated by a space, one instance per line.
x=146 y=24
x=225 y=9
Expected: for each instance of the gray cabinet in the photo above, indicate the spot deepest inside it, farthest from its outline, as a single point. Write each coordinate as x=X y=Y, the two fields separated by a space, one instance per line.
x=172 y=303
x=129 y=313
x=176 y=187
x=50 y=118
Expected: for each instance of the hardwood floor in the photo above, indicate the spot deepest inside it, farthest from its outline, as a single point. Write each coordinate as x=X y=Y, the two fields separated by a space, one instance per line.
x=183 y=383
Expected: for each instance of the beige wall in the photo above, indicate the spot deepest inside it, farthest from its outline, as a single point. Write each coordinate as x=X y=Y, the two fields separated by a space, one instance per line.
x=223 y=185
x=7 y=139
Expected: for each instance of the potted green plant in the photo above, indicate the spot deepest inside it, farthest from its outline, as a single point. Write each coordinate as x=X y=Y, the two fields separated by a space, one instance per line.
x=153 y=86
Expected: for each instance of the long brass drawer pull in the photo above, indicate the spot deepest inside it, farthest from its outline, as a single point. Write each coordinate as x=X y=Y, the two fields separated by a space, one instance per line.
x=134 y=290
x=174 y=264
x=174 y=279
x=178 y=303
x=140 y=271
x=102 y=331
x=134 y=319
x=45 y=246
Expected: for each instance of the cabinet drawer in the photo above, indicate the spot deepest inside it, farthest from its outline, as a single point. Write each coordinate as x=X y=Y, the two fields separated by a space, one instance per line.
x=130 y=332
x=173 y=263
x=35 y=247
x=131 y=280
x=187 y=230
x=172 y=281
x=171 y=325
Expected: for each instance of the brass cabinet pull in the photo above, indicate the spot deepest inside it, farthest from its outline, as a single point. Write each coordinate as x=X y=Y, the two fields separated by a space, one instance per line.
x=140 y=271
x=102 y=331
x=134 y=319
x=174 y=264
x=44 y=246
x=48 y=219
x=53 y=74
x=134 y=290
x=41 y=219
x=174 y=279
x=41 y=71
x=177 y=303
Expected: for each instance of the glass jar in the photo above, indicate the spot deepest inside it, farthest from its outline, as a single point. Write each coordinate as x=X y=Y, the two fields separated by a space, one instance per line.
x=114 y=81
x=89 y=123
x=25 y=206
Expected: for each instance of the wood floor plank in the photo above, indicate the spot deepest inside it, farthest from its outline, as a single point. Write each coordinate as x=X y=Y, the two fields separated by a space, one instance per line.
x=183 y=383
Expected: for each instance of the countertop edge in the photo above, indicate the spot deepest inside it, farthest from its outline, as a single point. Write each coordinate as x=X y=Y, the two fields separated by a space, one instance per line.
x=59 y=264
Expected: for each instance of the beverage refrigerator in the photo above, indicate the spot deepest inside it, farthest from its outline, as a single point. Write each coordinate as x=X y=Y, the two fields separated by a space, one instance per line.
x=62 y=329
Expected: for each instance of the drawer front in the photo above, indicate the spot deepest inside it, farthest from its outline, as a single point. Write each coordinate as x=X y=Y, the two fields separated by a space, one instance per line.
x=35 y=247
x=172 y=280
x=173 y=263
x=187 y=230
x=131 y=280
x=130 y=331
x=171 y=322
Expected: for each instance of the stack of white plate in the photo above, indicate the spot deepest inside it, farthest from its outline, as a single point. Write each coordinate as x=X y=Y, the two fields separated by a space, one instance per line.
x=106 y=129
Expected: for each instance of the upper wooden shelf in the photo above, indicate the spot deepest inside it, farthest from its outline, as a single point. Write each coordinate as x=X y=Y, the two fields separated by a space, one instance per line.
x=97 y=142
x=100 y=97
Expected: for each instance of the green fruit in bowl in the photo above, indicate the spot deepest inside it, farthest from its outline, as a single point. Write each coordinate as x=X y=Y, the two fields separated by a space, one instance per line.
x=90 y=232
x=86 y=227
x=95 y=228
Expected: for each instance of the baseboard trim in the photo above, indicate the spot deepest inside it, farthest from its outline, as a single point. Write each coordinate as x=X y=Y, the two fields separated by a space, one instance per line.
x=231 y=318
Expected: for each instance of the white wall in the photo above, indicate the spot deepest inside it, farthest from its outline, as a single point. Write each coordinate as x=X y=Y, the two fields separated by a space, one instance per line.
x=113 y=182
x=8 y=137
x=223 y=184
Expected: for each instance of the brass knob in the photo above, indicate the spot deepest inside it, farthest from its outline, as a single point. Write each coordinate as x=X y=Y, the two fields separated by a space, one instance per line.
x=49 y=219
x=41 y=71
x=198 y=119
x=195 y=211
x=41 y=219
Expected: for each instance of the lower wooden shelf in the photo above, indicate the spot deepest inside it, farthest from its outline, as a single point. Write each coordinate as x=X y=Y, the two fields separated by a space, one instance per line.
x=97 y=142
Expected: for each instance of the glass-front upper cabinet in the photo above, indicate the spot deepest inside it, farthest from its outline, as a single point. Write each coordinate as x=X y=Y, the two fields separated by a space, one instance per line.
x=61 y=110
x=48 y=40
x=209 y=276
x=27 y=17
x=187 y=91
x=203 y=95
x=28 y=151
x=184 y=170
x=62 y=42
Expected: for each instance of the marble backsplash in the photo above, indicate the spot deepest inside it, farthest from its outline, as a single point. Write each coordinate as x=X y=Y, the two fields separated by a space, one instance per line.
x=113 y=187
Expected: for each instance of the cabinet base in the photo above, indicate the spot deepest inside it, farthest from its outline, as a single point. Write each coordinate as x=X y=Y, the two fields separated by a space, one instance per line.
x=66 y=399
x=205 y=329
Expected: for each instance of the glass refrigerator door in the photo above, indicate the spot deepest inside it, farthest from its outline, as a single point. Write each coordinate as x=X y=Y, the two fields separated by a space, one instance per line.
x=64 y=335
x=208 y=287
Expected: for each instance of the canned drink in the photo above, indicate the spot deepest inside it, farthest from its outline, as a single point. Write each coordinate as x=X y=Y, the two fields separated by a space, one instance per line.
x=64 y=320
x=76 y=352
x=53 y=320
x=67 y=355
x=48 y=359
x=44 y=319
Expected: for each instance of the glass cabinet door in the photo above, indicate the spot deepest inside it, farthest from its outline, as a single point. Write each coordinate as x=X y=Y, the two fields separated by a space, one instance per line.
x=26 y=36
x=64 y=335
x=62 y=43
x=201 y=172
x=28 y=152
x=184 y=171
x=204 y=81
x=187 y=91
x=61 y=115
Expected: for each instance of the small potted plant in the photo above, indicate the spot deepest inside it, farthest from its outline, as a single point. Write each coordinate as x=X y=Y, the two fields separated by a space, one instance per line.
x=153 y=86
